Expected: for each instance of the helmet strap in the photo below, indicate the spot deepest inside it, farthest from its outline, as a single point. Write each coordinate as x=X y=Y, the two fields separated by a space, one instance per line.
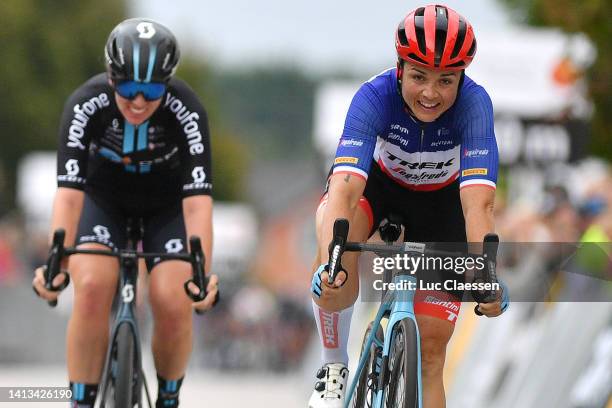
x=399 y=75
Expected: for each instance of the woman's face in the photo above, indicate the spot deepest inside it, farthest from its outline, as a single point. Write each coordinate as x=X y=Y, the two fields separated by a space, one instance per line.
x=136 y=110
x=429 y=93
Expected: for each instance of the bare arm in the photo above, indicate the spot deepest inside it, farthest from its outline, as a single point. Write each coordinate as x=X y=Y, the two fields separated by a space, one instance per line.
x=345 y=190
x=197 y=211
x=67 y=208
x=478 y=203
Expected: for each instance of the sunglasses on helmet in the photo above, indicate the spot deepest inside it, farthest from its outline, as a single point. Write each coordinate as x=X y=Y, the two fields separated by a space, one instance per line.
x=150 y=91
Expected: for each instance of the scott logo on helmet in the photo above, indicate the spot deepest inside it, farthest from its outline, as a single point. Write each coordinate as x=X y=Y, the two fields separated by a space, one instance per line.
x=146 y=30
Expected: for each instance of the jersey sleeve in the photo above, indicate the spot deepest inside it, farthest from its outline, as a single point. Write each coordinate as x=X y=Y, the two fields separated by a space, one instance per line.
x=364 y=121
x=75 y=133
x=479 y=155
x=192 y=122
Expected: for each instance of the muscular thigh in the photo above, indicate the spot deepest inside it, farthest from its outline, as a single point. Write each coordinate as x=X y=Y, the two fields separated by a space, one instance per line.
x=435 y=335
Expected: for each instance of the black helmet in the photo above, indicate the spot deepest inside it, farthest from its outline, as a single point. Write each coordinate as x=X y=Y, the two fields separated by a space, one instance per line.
x=140 y=49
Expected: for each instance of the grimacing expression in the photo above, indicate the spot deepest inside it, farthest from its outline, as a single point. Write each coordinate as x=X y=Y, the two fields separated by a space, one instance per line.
x=429 y=93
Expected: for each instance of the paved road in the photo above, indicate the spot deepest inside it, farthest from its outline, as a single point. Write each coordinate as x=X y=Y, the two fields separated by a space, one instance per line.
x=201 y=389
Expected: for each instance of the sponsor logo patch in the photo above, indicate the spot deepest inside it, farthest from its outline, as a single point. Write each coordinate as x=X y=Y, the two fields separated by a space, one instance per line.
x=351 y=143
x=475 y=152
x=351 y=160
x=474 y=172
x=329 y=328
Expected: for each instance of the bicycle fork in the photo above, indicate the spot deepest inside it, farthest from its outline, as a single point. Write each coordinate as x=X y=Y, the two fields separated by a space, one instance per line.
x=402 y=307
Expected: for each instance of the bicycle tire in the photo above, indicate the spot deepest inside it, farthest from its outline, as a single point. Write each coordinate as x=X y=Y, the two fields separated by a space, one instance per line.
x=124 y=382
x=365 y=391
x=402 y=390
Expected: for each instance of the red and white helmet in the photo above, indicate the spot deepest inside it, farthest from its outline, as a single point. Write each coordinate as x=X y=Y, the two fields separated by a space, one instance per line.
x=436 y=37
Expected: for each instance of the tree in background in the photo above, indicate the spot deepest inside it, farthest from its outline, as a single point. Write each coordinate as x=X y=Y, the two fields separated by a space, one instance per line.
x=50 y=47
x=591 y=17
x=230 y=156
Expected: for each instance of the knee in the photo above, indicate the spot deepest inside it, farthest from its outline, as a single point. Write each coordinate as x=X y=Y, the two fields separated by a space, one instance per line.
x=432 y=359
x=93 y=297
x=170 y=310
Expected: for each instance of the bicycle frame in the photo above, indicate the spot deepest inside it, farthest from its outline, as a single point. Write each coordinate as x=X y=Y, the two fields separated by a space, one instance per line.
x=128 y=267
x=125 y=315
x=397 y=305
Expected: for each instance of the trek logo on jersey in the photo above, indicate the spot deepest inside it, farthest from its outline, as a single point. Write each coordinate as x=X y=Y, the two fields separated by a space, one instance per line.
x=189 y=121
x=329 y=328
x=344 y=160
x=475 y=172
x=82 y=114
x=351 y=143
x=72 y=172
x=199 y=178
x=420 y=165
x=475 y=153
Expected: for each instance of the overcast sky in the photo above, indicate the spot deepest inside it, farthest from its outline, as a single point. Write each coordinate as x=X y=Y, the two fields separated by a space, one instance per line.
x=317 y=34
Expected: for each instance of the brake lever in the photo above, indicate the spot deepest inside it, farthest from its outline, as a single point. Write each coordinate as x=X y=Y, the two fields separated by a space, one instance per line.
x=490 y=246
x=336 y=248
x=52 y=268
x=198 y=277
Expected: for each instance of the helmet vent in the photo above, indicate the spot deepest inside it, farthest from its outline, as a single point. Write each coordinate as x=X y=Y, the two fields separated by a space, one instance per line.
x=460 y=39
x=420 y=33
x=441 y=32
x=401 y=35
x=414 y=57
x=472 y=50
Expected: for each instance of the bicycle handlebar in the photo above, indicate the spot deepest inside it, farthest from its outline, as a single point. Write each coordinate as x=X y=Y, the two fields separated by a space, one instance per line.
x=195 y=257
x=339 y=245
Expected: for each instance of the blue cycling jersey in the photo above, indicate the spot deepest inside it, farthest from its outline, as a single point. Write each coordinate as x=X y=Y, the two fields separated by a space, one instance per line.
x=460 y=144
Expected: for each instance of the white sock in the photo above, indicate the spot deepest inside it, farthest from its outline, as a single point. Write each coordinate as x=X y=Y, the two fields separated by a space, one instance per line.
x=333 y=328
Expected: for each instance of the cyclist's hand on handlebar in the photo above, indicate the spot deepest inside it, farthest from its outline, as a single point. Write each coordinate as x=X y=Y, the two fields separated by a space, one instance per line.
x=501 y=304
x=320 y=282
x=208 y=302
x=38 y=284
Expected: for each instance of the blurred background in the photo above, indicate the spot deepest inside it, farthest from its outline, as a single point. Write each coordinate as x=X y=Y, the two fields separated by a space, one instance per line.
x=276 y=79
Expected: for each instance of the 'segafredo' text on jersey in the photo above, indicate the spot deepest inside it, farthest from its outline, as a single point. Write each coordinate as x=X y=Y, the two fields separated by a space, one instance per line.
x=460 y=144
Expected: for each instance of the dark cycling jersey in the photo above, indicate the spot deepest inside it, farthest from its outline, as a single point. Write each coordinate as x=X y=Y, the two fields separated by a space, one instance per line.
x=166 y=157
x=420 y=156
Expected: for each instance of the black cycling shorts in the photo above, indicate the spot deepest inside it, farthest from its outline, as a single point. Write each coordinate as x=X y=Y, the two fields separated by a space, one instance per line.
x=103 y=220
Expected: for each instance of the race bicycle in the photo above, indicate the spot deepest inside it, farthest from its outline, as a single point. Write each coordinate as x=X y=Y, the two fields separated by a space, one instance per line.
x=389 y=370
x=123 y=377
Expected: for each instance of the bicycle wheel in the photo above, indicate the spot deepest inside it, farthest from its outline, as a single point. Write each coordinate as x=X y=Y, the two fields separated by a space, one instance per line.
x=365 y=391
x=124 y=381
x=402 y=390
